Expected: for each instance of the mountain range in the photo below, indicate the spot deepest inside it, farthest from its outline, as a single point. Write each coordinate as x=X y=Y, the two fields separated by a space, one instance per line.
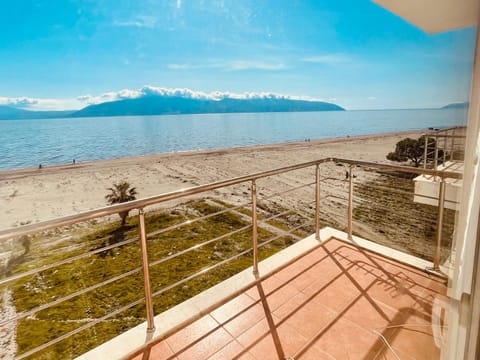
x=462 y=105
x=172 y=105
x=11 y=113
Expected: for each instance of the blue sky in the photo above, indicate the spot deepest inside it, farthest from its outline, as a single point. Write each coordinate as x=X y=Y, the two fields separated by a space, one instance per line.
x=64 y=54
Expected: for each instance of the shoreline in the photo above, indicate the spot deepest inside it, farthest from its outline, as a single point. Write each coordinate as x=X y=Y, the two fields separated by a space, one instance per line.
x=34 y=195
x=14 y=173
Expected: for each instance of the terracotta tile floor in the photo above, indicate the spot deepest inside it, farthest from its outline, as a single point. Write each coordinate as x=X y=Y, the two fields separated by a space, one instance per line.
x=337 y=302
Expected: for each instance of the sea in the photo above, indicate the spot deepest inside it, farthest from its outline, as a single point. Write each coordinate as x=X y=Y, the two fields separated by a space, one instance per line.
x=29 y=143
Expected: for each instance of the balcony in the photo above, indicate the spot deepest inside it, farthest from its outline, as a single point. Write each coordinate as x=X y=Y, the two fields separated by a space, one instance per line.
x=259 y=285
x=447 y=150
x=330 y=299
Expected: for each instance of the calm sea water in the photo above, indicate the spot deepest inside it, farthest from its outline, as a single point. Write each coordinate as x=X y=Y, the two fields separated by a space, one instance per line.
x=28 y=143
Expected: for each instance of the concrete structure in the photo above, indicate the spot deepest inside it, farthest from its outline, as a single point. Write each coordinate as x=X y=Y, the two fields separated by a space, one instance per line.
x=435 y=16
x=427 y=187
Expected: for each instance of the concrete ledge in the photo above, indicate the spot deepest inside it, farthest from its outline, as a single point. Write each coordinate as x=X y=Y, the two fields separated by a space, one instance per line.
x=427 y=187
x=328 y=233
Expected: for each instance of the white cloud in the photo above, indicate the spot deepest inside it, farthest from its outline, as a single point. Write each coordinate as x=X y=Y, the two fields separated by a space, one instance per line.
x=254 y=65
x=179 y=4
x=235 y=65
x=28 y=103
x=326 y=59
x=178 y=66
x=84 y=98
x=79 y=102
x=140 y=21
x=185 y=93
x=371 y=98
x=21 y=102
x=210 y=65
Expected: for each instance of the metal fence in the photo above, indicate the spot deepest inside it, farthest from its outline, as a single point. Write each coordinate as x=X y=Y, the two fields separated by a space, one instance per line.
x=444 y=145
x=333 y=192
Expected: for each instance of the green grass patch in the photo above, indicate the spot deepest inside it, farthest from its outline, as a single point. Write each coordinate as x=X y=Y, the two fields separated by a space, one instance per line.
x=62 y=280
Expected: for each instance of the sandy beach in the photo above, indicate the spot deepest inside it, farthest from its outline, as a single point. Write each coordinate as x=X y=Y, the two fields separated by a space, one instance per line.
x=33 y=195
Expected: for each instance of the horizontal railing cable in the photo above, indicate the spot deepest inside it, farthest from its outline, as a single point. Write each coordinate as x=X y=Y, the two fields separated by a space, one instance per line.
x=198 y=246
x=66 y=261
x=25 y=314
x=201 y=272
x=400 y=192
x=191 y=221
x=268 y=197
x=214 y=266
x=286 y=233
x=142 y=203
x=377 y=207
x=276 y=216
x=79 y=329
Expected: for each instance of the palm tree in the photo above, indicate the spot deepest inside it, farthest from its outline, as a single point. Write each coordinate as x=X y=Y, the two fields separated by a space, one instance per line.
x=121 y=192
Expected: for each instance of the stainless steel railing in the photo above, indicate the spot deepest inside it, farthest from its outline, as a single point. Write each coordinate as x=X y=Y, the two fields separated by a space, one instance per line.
x=146 y=264
x=444 y=145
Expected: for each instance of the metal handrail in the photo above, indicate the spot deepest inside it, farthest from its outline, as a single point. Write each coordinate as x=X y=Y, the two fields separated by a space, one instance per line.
x=127 y=242
x=58 y=301
x=445 y=134
x=80 y=329
x=198 y=246
x=141 y=204
x=287 y=191
x=192 y=221
x=65 y=261
x=276 y=216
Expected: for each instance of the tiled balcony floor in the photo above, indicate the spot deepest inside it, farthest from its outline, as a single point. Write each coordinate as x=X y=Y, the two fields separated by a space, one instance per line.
x=337 y=302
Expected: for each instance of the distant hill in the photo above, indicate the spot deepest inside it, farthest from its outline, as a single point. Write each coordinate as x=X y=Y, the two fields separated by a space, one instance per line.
x=10 y=113
x=161 y=105
x=169 y=105
x=462 y=105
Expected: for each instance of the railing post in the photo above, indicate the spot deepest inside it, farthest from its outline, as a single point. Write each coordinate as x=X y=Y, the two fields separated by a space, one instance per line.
x=453 y=144
x=441 y=202
x=146 y=271
x=444 y=149
x=350 y=203
x=254 y=228
x=317 y=202
x=435 y=160
x=425 y=152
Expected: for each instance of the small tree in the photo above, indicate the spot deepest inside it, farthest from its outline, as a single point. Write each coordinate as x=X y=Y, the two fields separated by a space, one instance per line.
x=121 y=192
x=414 y=150
x=26 y=242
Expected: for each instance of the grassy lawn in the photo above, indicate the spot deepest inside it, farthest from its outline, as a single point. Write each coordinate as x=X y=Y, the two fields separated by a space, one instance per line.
x=49 y=285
